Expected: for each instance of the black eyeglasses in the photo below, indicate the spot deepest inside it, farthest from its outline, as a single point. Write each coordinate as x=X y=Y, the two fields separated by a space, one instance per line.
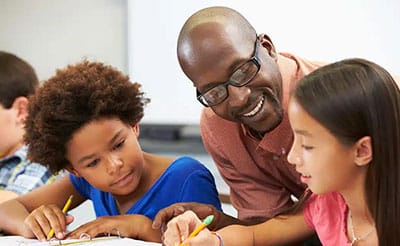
x=240 y=77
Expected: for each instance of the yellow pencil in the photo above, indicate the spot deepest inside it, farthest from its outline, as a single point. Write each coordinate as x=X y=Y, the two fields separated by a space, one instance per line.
x=64 y=210
x=207 y=221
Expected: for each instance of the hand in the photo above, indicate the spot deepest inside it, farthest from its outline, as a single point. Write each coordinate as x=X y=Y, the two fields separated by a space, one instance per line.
x=180 y=227
x=40 y=221
x=128 y=225
x=201 y=210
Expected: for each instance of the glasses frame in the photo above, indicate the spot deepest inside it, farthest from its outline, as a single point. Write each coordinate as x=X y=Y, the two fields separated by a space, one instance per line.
x=254 y=59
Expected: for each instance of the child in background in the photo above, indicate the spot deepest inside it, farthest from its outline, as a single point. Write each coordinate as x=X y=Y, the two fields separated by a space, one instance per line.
x=85 y=120
x=345 y=118
x=18 y=175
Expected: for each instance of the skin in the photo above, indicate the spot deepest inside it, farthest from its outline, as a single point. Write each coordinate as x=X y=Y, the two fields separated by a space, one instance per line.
x=107 y=154
x=326 y=165
x=11 y=134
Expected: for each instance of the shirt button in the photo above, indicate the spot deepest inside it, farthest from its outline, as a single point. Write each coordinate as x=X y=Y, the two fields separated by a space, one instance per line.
x=275 y=158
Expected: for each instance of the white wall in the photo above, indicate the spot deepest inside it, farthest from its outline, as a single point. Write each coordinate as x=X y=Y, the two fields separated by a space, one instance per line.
x=49 y=34
x=315 y=29
x=52 y=33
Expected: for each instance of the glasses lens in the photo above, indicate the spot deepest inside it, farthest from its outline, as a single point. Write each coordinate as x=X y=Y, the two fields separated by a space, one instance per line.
x=215 y=95
x=244 y=74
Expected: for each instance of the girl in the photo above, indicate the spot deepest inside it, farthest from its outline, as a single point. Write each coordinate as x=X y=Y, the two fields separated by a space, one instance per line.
x=345 y=118
x=85 y=120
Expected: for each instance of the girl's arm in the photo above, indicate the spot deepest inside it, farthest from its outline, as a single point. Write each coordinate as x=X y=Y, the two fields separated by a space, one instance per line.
x=282 y=230
x=15 y=213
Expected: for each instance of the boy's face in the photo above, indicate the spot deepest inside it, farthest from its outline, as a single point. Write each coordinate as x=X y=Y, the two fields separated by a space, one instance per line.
x=107 y=154
x=11 y=130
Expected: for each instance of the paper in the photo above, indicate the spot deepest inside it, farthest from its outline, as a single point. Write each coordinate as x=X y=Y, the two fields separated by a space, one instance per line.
x=99 y=241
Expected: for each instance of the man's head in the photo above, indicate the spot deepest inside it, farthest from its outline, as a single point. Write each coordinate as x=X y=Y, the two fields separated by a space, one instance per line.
x=217 y=45
x=18 y=80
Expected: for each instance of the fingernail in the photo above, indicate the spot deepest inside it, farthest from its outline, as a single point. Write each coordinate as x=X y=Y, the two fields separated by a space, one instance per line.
x=60 y=235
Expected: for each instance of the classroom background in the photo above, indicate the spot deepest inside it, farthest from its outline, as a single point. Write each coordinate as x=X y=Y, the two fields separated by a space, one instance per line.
x=139 y=38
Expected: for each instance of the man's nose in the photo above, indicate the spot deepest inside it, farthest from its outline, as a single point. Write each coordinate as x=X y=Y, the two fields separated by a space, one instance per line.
x=238 y=96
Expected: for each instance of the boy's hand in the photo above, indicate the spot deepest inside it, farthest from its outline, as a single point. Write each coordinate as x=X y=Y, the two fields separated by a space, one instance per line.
x=128 y=225
x=42 y=219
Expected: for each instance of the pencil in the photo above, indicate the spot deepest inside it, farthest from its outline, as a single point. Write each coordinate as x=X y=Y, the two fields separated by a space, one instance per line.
x=207 y=221
x=64 y=210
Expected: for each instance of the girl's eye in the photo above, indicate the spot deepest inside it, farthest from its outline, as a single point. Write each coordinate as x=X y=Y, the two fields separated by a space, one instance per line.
x=306 y=147
x=93 y=163
x=119 y=145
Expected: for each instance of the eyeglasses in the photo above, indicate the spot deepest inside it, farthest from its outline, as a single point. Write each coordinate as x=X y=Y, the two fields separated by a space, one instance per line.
x=240 y=77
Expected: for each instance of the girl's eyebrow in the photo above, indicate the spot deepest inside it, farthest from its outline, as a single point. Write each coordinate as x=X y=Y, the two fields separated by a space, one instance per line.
x=303 y=132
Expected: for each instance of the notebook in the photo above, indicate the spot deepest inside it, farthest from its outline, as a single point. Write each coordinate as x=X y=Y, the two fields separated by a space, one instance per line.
x=98 y=241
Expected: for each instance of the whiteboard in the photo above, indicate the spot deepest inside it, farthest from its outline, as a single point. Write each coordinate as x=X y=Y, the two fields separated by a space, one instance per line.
x=313 y=29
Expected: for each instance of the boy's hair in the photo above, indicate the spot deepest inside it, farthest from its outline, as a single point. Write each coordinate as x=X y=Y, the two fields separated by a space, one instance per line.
x=355 y=98
x=17 y=79
x=75 y=96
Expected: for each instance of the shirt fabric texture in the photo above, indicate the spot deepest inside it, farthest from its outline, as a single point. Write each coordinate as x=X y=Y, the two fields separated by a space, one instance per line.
x=19 y=175
x=327 y=214
x=185 y=180
x=260 y=179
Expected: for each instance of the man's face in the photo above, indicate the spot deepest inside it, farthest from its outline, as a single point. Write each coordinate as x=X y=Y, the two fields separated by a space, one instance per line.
x=210 y=62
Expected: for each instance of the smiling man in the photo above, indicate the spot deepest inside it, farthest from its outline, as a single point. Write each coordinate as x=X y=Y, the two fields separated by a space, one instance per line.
x=244 y=85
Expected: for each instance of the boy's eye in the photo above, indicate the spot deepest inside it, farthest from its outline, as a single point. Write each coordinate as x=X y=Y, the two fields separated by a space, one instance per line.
x=119 y=145
x=93 y=163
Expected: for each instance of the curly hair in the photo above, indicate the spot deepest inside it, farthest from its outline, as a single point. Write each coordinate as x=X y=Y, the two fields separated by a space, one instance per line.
x=75 y=96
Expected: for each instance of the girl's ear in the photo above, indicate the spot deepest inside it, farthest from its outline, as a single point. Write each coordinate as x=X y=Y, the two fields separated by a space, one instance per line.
x=72 y=170
x=363 y=153
x=136 y=130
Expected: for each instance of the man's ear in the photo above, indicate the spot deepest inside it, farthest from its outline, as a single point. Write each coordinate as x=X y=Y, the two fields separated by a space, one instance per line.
x=363 y=151
x=72 y=170
x=266 y=42
x=20 y=104
x=136 y=130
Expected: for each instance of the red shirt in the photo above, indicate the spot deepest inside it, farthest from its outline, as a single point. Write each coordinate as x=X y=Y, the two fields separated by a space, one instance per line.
x=260 y=179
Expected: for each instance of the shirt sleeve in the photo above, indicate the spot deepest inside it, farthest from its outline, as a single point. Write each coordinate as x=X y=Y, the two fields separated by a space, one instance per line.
x=31 y=176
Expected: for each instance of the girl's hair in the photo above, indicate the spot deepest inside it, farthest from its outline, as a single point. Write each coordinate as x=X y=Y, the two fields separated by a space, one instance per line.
x=74 y=97
x=354 y=98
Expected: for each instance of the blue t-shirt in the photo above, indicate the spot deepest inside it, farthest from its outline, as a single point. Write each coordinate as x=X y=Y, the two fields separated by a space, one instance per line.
x=185 y=180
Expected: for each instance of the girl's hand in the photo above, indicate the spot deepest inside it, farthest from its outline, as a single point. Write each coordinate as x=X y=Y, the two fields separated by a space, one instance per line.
x=128 y=225
x=179 y=228
x=40 y=221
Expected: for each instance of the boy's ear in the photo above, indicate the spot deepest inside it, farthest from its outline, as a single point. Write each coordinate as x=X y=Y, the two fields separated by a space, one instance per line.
x=72 y=170
x=20 y=104
x=363 y=151
x=136 y=130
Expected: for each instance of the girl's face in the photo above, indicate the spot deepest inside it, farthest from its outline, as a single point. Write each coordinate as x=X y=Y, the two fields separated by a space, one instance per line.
x=107 y=154
x=324 y=163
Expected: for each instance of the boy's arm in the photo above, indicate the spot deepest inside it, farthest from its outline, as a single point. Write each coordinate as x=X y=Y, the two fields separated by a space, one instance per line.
x=6 y=195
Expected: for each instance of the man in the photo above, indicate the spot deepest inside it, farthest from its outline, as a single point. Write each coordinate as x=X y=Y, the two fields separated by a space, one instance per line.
x=18 y=175
x=244 y=85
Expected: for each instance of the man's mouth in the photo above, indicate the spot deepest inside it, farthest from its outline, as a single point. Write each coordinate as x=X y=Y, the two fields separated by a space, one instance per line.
x=256 y=108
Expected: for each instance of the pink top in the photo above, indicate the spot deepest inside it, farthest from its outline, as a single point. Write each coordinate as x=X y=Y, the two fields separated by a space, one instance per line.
x=257 y=172
x=326 y=214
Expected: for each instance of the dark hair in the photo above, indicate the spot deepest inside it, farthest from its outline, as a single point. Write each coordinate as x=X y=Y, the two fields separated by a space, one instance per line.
x=17 y=78
x=74 y=97
x=354 y=98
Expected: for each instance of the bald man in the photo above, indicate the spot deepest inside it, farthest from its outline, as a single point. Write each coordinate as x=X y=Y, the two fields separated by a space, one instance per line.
x=244 y=85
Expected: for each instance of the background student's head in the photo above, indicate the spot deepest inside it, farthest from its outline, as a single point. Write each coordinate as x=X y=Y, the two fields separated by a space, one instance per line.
x=18 y=81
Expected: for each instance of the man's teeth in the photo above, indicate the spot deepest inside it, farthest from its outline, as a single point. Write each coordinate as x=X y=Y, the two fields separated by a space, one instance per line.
x=256 y=109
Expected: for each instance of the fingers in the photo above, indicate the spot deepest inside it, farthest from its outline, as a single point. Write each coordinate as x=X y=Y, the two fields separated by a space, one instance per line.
x=178 y=228
x=43 y=219
x=166 y=214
